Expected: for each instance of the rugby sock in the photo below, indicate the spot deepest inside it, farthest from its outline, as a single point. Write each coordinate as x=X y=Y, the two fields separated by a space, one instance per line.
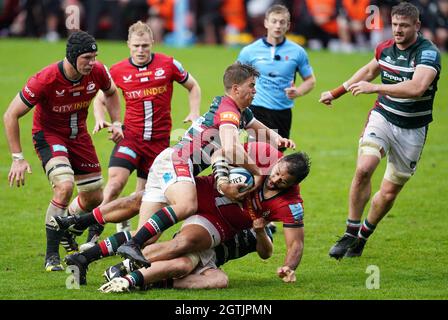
x=107 y=247
x=53 y=236
x=353 y=227
x=135 y=279
x=366 y=230
x=88 y=219
x=75 y=207
x=159 y=222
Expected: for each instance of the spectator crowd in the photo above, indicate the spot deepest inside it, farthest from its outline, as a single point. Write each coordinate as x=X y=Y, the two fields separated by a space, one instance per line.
x=339 y=25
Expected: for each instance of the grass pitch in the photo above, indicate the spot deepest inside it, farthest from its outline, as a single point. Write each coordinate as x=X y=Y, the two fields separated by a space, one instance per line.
x=408 y=247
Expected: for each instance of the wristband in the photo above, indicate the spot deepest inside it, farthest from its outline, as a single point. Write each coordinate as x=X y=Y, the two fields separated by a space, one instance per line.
x=117 y=124
x=17 y=156
x=339 y=91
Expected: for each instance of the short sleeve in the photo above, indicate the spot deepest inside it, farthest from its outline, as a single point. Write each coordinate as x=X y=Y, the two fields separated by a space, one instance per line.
x=179 y=73
x=32 y=92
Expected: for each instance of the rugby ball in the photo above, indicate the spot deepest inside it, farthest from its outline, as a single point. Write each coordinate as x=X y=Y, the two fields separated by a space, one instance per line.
x=241 y=175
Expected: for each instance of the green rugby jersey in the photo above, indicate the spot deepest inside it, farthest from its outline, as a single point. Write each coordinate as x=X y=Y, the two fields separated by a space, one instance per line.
x=399 y=65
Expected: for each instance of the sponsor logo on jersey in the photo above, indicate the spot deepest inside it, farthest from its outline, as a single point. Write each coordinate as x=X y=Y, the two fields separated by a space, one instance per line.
x=143 y=74
x=394 y=77
x=60 y=93
x=167 y=176
x=229 y=116
x=77 y=89
x=127 y=79
x=136 y=94
x=59 y=148
x=401 y=57
x=91 y=88
x=27 y=90
x=71 y=107
x=429 y=55
x=159 y=72
x=388 y=59
x=297 y=212
x=127 y=151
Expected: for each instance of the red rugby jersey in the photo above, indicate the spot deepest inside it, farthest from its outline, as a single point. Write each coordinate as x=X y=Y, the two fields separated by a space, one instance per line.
x=147 y=91
x=62 y=104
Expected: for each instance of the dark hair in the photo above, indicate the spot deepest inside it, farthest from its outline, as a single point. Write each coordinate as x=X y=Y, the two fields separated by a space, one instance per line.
x=299 y=164
x=237 y=73
x=406 y=9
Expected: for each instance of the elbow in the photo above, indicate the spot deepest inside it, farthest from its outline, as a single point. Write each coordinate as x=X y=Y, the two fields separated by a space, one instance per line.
x=265 y=255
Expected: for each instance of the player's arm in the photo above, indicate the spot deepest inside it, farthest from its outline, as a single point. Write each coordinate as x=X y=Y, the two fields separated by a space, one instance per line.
x=294 y=239
x=264 y=245
x=367 y=73
x=194 y=98
x=234 y=151
x=306 y=86
x=17 y=109
x=111 y=101
x=416 y=87
x=271 y=136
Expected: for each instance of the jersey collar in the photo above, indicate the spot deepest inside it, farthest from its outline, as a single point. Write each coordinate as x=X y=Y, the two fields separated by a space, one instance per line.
x=143 y=66
x=61 y=70
x=270 y=45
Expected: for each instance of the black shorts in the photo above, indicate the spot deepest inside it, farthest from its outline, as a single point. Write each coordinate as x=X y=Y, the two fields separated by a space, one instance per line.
x=279 y=120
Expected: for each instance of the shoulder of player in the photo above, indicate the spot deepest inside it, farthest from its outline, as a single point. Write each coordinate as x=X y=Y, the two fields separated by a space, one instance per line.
x=120 y=64
x=384 y=44
x=47 y=74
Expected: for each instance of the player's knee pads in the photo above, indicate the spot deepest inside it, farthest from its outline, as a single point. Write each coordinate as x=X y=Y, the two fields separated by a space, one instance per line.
x=395 y=176
x=369 y=148
x=59 y=171
x=90 y=184
x=194 y=258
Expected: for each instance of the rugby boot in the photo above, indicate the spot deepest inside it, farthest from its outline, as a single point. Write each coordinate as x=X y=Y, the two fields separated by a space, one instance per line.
x=130 y=250
x=69 y=243
x=356 y=249
x=80 y=267
x=53 y=263
x=67 y=223
x=342 y=245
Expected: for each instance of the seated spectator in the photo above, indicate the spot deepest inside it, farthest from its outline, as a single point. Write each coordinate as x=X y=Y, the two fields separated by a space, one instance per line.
x=442 y=25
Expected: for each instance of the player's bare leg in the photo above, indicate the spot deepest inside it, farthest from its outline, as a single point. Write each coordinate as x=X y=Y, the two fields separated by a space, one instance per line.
x=381 y=203
x=360 y=192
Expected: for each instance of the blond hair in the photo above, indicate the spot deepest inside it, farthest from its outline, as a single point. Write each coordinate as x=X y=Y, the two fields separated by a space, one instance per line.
x=139 y=28
x=278 y=8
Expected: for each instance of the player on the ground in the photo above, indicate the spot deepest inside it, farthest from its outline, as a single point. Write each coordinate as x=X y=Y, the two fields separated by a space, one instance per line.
x=198 y=270
x=219 y=218
x=170 y=193
x=409 y=66
x=61 y=94
x=146 y=80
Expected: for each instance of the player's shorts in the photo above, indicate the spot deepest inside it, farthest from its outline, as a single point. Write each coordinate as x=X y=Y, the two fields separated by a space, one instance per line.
x=207 y=260
x=163 y=173
x=80 y=151
x=402 y=146
x=133 y=153
x=208 y=225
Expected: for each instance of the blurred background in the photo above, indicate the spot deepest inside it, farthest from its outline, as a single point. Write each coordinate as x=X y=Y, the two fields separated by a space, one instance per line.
x=338 y=25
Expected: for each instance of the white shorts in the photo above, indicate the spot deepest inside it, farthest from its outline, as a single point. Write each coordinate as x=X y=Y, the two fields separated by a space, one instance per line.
x=207 y=260
x=402 y=146
x=164 y=173
x=207 y=225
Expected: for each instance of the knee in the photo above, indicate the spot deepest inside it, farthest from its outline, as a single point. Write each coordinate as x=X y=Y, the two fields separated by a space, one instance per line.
x=115 y=185
x=182 y=267
x=63 y=191
x=388 y=195
x=91 y=199
x=363 y=173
